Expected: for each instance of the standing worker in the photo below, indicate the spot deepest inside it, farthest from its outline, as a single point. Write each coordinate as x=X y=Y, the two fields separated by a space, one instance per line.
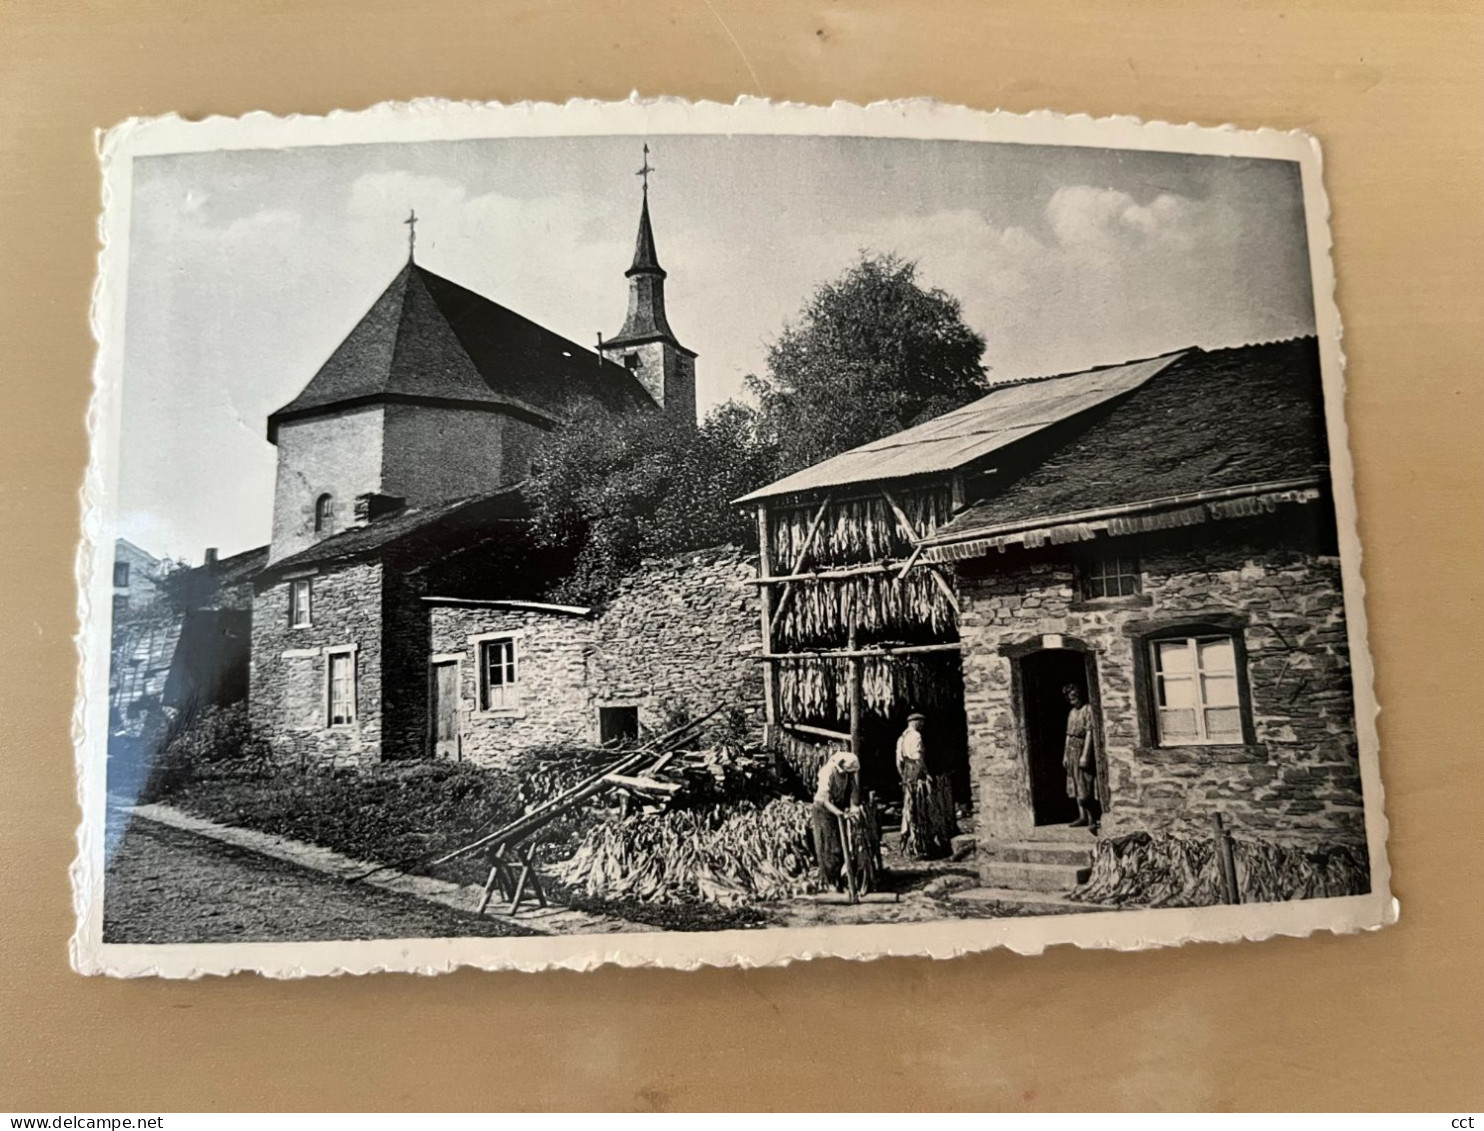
x=837 y=799
x=1080 y=759
x=928 y=823
x=912 y=766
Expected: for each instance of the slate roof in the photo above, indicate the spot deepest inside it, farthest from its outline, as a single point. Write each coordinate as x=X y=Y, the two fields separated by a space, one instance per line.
x=1007 y=414
x=436 y=530
x=426 y=338
x=1212 y=420
x=238 y=568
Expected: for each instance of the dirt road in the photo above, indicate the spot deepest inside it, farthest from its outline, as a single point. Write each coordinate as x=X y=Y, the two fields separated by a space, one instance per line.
x=168 y=886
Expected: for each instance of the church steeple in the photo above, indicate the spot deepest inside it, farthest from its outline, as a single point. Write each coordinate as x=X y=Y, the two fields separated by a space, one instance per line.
x=646 y=344
x=646 y=319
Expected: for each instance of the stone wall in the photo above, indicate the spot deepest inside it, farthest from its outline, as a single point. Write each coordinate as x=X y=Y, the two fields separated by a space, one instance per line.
x=552 y=651
x=1294 y=778
x=676 y=640
x=680 y=637
x=288 y=671
x=339 y=455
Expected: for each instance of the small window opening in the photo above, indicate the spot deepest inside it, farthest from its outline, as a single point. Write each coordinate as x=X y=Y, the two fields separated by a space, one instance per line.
x=1110 y=577
x=618 y=724
x=324 y=514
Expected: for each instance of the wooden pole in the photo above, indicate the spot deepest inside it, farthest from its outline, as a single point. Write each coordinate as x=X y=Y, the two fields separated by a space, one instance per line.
x=857 y=720
x=799 y=560
x=890 y=566
x=528 y=823
x=847 y=852
x=862 y=653
x=1226 y=861
x=916 y=540
x=818 y=732
x=765 y=601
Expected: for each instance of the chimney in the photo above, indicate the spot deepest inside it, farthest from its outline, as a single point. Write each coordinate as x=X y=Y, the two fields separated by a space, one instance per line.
x=372 y=506
x=211 y=555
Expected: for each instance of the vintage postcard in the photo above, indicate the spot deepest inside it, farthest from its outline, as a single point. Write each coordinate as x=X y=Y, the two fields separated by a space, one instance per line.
x=674 y=534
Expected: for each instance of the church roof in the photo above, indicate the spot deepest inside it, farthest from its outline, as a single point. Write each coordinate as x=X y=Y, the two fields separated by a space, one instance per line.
x=426 y=339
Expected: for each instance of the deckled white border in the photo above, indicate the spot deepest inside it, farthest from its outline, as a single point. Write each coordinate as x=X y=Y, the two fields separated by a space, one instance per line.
x=428 y=120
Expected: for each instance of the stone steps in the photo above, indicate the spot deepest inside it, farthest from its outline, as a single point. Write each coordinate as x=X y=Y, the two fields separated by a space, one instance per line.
x=1034 y=875
x=1032 y=903
x=1042 y=852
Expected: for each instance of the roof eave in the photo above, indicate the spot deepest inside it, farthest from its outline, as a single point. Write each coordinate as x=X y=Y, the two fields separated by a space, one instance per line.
x=510 y=406
x=1009 y=530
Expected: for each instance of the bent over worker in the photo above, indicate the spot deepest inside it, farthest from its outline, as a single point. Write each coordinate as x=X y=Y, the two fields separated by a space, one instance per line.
x=837 y=797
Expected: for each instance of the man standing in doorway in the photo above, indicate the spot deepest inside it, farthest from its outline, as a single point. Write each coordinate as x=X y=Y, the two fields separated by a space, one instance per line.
x=1080 y=759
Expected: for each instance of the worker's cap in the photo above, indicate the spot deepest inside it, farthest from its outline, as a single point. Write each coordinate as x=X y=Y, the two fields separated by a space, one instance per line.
x=917 y=717
x=849 y=763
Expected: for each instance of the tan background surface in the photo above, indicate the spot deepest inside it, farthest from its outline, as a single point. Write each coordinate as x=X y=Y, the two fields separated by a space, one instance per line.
x=1395 y=90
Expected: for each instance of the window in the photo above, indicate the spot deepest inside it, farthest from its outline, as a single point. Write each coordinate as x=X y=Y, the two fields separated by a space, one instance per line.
x=1109 y=577
x=618 y=724
x=324 y=514
x=631 y=361
x=301 y=598
x=121 y=575
x=498 y=689
x=342 y=688
x=120 y=606
x=1197 y=693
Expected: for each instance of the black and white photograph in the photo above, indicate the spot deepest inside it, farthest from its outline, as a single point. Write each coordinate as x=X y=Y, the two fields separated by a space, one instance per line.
x=683 y=535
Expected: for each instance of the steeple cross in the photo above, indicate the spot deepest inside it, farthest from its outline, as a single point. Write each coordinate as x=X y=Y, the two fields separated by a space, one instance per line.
x=411 y=223
x=645 y=169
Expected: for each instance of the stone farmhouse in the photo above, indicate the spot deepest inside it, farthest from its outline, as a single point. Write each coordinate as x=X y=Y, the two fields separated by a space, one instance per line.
x=1159 y=533
x=134 y=575
x=398 y=612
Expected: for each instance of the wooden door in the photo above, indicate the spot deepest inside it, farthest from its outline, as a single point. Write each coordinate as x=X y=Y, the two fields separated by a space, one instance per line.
x=446 y=709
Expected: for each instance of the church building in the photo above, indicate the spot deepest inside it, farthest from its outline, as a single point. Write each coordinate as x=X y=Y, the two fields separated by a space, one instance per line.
x=399 y=467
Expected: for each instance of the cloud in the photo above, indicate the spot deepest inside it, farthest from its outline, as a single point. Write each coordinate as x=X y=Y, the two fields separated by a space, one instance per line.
x=1104 y=278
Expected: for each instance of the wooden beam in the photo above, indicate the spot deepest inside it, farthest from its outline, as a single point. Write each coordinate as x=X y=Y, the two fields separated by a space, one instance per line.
x=643 y=785
x=916 y=540
x=830 y=574
x=907 y=528
x=865 y=653
x=857 y=707
x=765 y=601
x=817 y=732
x=803 y=556
x=912 y=561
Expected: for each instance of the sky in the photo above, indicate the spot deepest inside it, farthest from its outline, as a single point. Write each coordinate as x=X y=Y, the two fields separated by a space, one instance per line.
x=248 y=267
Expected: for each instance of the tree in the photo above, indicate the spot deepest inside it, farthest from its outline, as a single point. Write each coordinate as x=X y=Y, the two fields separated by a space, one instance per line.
x=873 y=353
x=612 y=491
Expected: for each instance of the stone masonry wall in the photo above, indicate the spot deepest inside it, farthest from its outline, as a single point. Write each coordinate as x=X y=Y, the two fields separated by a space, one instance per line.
x=552 y=666
x=1298 y=782
x=680 y=637
x=677 y=640
x=288 y=670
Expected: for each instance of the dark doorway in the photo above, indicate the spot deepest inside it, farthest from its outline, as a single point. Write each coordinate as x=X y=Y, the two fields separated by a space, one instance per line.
x=618 y=724
x=1044 y=711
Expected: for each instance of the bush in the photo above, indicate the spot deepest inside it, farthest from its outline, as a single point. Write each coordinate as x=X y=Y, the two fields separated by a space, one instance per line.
x=214 y=742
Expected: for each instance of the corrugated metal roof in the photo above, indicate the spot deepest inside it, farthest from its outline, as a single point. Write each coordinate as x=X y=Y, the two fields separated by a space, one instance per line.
x=958 y=438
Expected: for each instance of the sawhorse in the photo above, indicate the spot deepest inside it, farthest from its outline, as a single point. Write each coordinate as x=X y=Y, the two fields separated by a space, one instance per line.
x=513 y=886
